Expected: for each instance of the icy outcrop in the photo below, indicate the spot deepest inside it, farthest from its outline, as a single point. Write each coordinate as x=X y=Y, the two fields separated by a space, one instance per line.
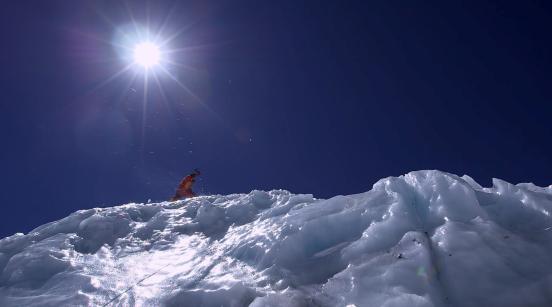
x=427 y=238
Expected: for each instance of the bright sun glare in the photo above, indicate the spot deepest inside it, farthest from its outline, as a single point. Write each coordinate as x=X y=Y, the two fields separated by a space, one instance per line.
x=146 y=54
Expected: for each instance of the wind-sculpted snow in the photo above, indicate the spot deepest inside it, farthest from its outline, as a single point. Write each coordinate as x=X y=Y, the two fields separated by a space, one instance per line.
x=427 y=238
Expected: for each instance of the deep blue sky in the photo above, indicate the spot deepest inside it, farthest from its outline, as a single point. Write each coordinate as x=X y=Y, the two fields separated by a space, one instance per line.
x=321 y=97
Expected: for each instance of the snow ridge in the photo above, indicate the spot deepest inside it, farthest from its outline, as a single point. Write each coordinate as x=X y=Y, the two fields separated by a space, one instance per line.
x=427 y=238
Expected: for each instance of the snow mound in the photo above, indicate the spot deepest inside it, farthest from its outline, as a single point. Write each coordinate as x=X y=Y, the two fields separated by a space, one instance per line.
x=427 y=238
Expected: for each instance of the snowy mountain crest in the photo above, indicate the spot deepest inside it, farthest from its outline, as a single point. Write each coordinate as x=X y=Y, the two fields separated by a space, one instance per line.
x=427 y=238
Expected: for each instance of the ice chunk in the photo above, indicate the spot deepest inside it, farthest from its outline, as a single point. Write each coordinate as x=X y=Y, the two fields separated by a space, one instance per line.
x=427 y=238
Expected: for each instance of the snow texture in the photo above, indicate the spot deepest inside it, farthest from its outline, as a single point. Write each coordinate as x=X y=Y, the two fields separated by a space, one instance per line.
x=427 y=238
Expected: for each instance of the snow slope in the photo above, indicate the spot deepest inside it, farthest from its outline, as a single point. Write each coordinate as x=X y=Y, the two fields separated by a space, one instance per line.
x=427 y=238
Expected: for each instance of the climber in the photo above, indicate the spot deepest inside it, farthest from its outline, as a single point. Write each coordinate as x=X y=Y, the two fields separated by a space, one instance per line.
x=184 y=189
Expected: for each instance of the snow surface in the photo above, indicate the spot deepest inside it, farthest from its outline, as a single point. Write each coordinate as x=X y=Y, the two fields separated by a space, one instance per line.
x=427 y=238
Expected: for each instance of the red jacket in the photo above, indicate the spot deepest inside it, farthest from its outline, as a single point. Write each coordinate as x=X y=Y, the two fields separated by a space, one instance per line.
x=185 y=187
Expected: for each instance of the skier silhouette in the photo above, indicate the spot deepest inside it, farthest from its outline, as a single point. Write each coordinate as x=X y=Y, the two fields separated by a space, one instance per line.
x=184 y=189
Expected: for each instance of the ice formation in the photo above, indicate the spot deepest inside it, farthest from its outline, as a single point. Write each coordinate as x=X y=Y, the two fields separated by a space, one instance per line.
x=427 y=238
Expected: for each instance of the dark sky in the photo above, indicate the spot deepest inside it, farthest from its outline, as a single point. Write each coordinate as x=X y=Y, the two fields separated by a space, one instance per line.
x=321 y=97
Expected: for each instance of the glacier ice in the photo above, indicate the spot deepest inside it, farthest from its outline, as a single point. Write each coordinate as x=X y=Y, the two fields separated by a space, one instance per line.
x=427 y=238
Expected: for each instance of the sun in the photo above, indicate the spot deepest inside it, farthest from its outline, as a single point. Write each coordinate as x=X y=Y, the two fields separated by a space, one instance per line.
x=151 y=55
x=147 y=54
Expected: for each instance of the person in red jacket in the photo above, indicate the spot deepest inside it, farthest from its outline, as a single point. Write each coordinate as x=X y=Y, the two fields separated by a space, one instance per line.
x=184 y=189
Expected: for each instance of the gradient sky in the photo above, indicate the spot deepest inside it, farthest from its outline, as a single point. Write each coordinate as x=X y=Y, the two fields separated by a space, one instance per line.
x=321 y=97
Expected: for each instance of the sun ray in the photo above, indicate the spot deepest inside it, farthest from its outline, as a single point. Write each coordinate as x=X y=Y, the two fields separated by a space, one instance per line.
x=162 y=91
x=165 y=21
x=90 y=36
x=192 y=94
x=132 y=19
x=181 y=85
x=180 y=65
x=148 y=23
x=194 y=48
x=144 y=117
x=113 y=77
x=129 y=87
x=105 y=18
x=175 y=35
